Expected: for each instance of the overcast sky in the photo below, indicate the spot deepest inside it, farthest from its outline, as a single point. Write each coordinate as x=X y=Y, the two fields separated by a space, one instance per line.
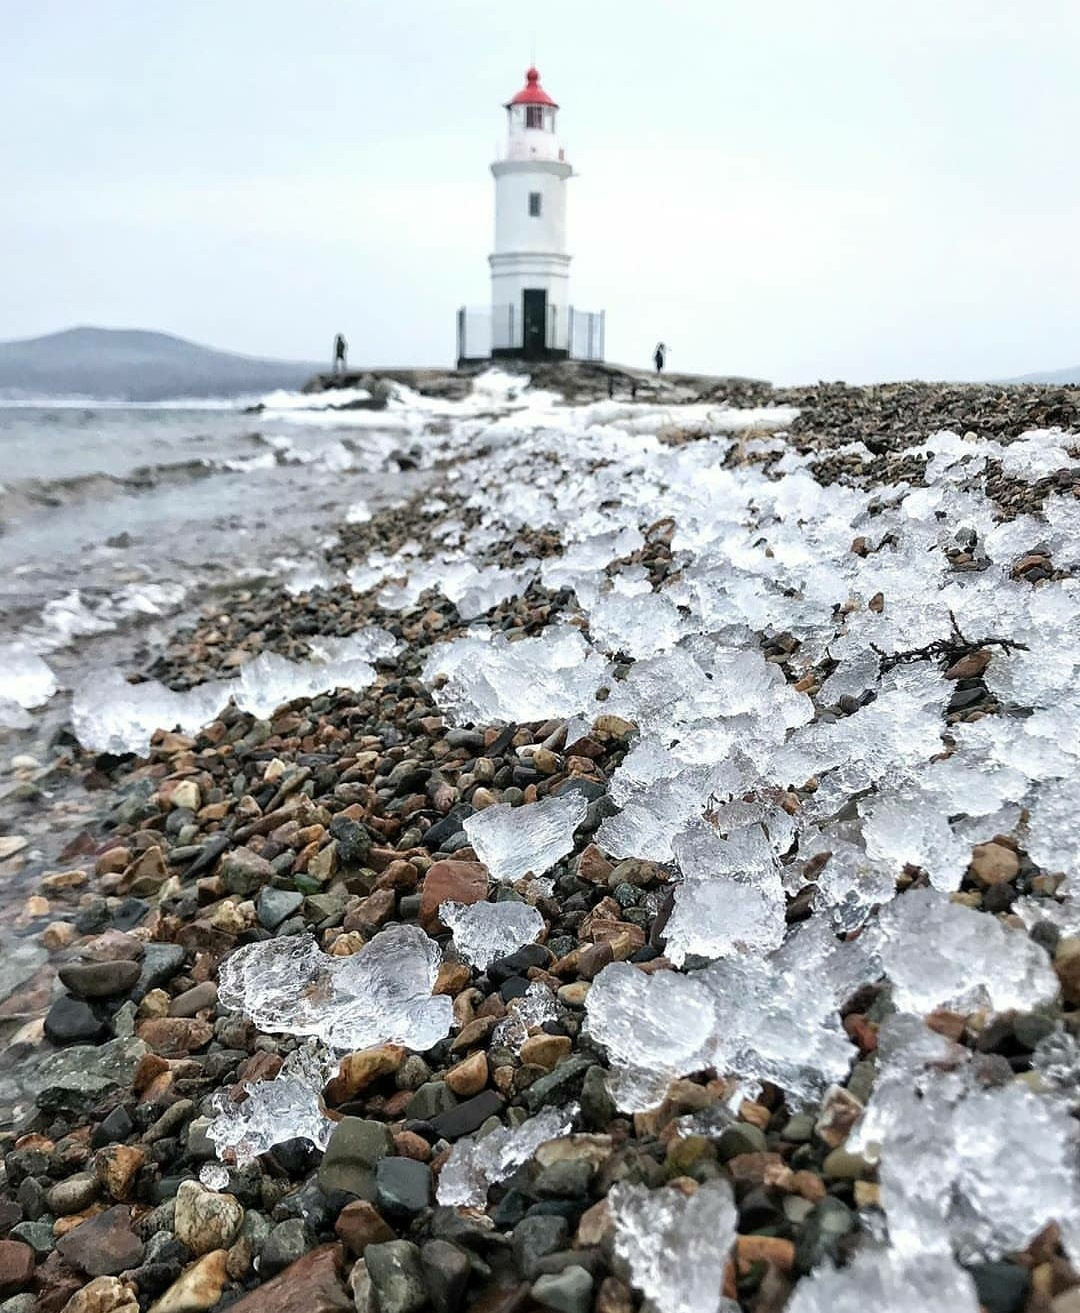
x=790 y=190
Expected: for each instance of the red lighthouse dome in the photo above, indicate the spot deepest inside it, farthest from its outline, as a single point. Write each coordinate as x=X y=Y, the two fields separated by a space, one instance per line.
x=532 y=93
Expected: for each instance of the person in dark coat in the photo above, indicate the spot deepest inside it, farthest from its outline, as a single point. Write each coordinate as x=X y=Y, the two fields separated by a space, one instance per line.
x=340 y=347
x=659 y=356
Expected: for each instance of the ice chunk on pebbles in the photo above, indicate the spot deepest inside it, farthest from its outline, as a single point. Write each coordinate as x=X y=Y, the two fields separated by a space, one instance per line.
x=270 y=681
x=289 y=1107
x=484 y=932
x=552 y=676
x=531 y=1010
x=513 y=842
x=964 y=1166
x=476 y=1163
x=759 y=1019
x=731 y=899
x=940 y=954
x=379 y=995
x=675 y=1245
x=111 y=715
x=889 y=1281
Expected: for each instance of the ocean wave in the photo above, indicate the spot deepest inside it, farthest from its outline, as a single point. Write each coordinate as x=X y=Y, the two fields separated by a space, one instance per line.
x=23 y=496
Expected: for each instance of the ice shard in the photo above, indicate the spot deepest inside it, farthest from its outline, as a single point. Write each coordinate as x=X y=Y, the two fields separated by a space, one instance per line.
x=478 y=1162
x=380 y=995
x=484 y=932
x=516 y=841
x=675 y=1246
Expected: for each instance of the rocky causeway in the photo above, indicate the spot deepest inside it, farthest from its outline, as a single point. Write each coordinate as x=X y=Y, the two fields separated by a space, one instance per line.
x=637 y=871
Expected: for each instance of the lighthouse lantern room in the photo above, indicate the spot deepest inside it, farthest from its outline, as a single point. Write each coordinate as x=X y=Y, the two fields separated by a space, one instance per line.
x=531 y=316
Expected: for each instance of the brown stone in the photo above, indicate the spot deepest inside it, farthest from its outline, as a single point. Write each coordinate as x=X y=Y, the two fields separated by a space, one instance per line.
x=103 y=1246
x=993 y=863
x=410 y=1145
x=175 y=1034
x=476 y=1032
x=361 y=1224
x=593 y=960
x=768 y=1169
x=196 y=1289
x=613 y=1297
x=313 y=1284
x=103 y=1295
x=359 y=1070
x=969 y=666
x=840 y=1110
x=451 y=881
x=1067 y=966
x=453 y=977
x=750 y=1249
x=112 y=861
x=116 y=1167
x=949 y=1024
x=113 y=946
x=16 y=1266
x=145 y=876
x=470 y=1076
x=807 y=1184
x=546 y=1050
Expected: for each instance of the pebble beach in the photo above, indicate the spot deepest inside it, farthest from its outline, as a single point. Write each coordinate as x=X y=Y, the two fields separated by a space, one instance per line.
x=799 y=665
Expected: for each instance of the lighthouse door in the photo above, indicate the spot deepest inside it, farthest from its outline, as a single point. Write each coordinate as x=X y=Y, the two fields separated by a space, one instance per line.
x=534 y=320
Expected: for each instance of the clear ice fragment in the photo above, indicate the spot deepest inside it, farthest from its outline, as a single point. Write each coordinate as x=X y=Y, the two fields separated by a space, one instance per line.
x=676 y=1246
x=889 y=1281
x=475 y=1164
x=289 y=1107
x=484 y=932
x=380 y=995
x=940 y=954
x=515 y=841
x=111 y=715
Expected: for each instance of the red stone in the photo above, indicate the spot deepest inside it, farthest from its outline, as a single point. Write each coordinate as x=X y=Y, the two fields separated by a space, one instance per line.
x=310 y=1285
x=16 y=1266
x=451 y=881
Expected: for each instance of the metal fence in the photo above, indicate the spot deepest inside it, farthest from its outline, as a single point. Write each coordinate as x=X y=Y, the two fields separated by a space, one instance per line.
x=481 y=331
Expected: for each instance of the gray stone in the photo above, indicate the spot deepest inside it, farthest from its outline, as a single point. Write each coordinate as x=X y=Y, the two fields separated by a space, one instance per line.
x=403 y=1186
x=38 y=1235
x=73 y=1195
x=559 y=1086
x=287 y=1242
x=468 y=1116
x=243 y=871
x=77 y=1078
x=396 y=1276
x=25 y=1303
x=740 y=1138
x=356 y=1145
x=564 y=1180
x=277 y=905
x=71 y=1021
x=446 y=1274
x=432 y=1098
x=160 y=963
x=194 y=1000
x=821 y=1232
x=1001 y=1287
x=99 y=979
x=534 y=1238
x=597 y=1106
x=568 y=1291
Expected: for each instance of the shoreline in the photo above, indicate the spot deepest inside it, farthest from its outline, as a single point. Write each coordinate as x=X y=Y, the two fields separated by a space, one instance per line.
x=345 y=812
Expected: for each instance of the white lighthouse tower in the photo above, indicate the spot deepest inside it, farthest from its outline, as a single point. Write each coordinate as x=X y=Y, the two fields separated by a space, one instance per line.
x=531 y=316
x=530 y=266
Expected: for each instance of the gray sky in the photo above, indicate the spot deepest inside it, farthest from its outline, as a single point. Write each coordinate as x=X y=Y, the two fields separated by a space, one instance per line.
x=784 y=189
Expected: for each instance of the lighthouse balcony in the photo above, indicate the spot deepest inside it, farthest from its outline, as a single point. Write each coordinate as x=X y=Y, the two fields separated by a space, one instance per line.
x=529 y=332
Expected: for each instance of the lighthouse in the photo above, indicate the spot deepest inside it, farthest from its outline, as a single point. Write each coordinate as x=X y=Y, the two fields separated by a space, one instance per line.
x=531 y=316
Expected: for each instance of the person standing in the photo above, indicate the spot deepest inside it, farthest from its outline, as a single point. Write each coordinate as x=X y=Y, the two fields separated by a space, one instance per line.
x=659 y=356
x=340 y=347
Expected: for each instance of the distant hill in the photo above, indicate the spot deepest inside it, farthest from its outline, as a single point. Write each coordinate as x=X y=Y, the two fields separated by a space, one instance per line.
x=1056 y=377
x=132 y=365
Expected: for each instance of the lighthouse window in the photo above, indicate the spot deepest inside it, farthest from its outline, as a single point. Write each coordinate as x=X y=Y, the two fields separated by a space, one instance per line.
x=534 y=116
x=534 y=205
